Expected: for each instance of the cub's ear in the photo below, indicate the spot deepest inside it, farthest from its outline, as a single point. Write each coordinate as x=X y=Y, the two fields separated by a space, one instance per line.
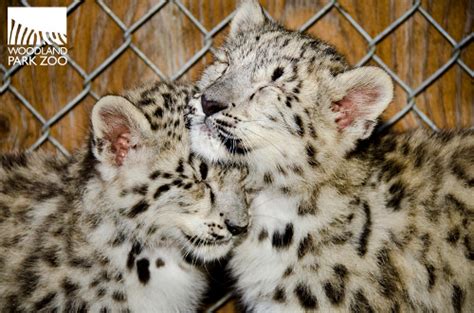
x=363 y=94
x=117 y=127
x=249 y=16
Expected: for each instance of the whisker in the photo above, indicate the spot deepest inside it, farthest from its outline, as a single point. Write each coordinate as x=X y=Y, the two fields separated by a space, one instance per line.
x=265 y=139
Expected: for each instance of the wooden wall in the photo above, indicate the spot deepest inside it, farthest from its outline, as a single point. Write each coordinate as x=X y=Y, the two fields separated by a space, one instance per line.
x=414 y=51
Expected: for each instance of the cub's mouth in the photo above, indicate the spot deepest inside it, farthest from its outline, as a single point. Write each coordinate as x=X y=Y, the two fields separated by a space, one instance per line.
x=197 y=241
x=217 y=134
x=205 y=127
x=206 y=249
x=225 y=133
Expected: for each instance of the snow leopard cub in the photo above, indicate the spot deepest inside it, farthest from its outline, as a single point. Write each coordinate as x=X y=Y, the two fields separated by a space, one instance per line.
x=108 y=229
x=337 y=224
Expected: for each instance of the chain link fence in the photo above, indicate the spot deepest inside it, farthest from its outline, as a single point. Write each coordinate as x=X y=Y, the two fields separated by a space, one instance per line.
x=208 y=36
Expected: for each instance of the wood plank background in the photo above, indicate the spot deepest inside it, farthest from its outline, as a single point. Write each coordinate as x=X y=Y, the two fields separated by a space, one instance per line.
x=414 y=51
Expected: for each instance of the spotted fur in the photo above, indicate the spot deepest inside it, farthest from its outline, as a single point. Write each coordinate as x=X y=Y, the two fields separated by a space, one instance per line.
x=340 y=222
x=118 y=226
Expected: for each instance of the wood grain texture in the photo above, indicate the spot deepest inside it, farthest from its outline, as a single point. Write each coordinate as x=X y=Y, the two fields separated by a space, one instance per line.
x=414 y=51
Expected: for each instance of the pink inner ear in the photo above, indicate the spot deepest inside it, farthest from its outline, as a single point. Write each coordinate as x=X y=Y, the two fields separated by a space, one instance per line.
x=345 y=115
x=118 y=134
x=354 y=106
x=120 y=147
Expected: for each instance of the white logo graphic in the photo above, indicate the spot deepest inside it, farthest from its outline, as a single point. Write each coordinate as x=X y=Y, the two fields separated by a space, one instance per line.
x=34 y=25
x=37 y=36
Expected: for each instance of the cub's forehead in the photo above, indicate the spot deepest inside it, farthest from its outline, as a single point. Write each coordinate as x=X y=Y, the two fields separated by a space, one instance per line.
x=256 y=45
x=164 y=105
x=275 y=44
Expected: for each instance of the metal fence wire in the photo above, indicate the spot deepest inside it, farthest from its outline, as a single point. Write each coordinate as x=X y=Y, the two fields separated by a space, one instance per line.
x=208 y=36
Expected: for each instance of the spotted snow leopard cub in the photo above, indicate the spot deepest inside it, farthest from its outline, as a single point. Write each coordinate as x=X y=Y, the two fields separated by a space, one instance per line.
x=338 y=223
x=108 y=229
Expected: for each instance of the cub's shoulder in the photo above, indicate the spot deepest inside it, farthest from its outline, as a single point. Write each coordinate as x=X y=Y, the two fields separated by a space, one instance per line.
x=31 y=164
x=415 y=144
x=32 y=178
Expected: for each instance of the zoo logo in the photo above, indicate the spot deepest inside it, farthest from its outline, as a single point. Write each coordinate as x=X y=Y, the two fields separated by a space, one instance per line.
x=25 y=36
x=34 y=25
x=37 y=35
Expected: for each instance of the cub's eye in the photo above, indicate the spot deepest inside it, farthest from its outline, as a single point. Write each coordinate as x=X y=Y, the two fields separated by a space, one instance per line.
x=220 y=56
x=221 y=67
x=270 y=88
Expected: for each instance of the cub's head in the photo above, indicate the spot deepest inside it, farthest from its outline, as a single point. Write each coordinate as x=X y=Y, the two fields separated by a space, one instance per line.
x=148 y=187
x=276 y=98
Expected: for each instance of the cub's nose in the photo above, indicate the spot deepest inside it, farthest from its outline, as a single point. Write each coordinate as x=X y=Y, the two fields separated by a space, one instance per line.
x=210 y=107
x=235 y=229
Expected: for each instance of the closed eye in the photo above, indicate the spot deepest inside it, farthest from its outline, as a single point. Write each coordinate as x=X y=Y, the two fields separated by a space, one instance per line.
x=221 y=67
x=273 y=88
x=221 y=56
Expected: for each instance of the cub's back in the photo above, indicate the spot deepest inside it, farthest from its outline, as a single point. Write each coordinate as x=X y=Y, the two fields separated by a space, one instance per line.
x=419 y=205
x=31 y=187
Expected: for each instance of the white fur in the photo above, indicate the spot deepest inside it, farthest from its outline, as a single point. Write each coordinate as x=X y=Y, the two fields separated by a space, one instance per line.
x=174 y=287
